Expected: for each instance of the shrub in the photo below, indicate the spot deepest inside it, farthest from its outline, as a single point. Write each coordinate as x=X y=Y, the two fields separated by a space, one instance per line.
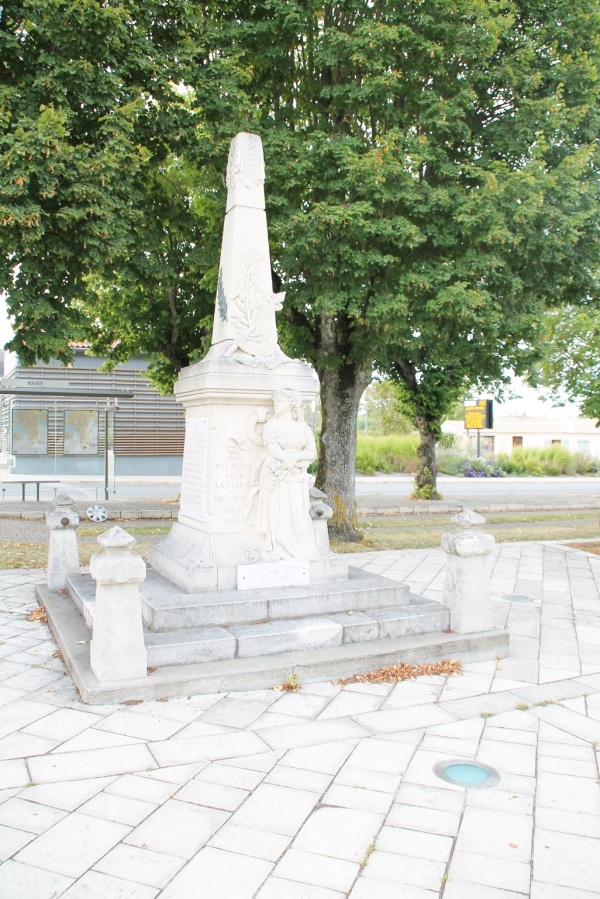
x=551 y=460
x=387 y=454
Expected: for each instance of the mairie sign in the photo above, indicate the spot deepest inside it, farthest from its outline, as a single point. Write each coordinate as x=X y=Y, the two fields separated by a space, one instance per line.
x=479 y=414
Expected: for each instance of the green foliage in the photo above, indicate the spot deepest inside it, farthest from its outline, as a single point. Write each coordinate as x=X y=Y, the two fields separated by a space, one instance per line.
x=107 y=177
x=497 y=176
x=551 y=460
x=394 y=453
x=383 y=411
x=570 y=363
x=426 y=492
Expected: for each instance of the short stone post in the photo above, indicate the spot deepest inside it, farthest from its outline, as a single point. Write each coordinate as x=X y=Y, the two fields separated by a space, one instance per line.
x=467 y=580
x=63 y=557
x=320 y=514
x=117 y=649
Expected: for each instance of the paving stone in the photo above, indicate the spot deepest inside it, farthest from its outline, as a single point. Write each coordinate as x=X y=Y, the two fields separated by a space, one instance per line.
x=312 y=733
x=212 y=868
x=499 y=873
x=276 y=809
x=220 y=746
x=406 y=870
x=177 y=828
x=91 y=763
x=277 y=887
x=229 y=776
x=460 y=889
x=14 y=773
x=118 y=808
x=135 y=786
x=566 y=860
x=63 y=724
x=20 y=881
x=432 y=821
x=415 y=843
x=143 y=866
x=68 y=796
x=326 y=758
x=28 y=816
x=404 y=719
x=553 y=891
x=571 y=794
x=212 y=795
x=339 y=833
x=368 y=780
x=298 y=777
x=250 y=841
x=358 y=798
x=381 y=755
x=11 y=840
x=497 y=834
x=94 y=885
x=145 y=727
x=73 y=845
x=370 y=888
x=317 y=870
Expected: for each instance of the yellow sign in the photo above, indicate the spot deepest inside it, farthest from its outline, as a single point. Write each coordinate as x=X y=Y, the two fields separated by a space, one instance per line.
x=477 y=415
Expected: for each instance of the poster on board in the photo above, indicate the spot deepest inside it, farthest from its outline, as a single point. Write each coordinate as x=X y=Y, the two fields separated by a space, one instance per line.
x=29 y=432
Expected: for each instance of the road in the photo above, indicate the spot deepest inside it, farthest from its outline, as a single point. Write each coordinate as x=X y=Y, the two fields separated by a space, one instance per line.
x=493 y=490
x=465 y=490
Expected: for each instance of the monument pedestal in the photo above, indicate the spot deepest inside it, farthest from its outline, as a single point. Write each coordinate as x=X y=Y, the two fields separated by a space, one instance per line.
x=213 y=547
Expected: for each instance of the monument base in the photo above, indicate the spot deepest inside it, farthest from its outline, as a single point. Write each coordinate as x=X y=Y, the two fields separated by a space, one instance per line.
x=196 y=562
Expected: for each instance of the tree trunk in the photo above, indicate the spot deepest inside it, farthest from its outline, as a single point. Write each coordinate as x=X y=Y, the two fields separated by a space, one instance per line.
x=341 y=390
x=425 y=476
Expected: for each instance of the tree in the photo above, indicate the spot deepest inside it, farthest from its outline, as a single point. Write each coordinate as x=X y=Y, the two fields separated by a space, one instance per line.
x=500 y=143
x=102 y=233
x=158 y=299
x=432 y=184
x=384 y=415
x=570 y=363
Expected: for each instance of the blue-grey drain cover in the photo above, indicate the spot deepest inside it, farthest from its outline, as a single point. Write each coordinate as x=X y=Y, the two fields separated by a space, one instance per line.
x=465 y=773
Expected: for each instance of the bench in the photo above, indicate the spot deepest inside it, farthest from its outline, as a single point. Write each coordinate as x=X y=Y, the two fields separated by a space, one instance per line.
x=23 y=483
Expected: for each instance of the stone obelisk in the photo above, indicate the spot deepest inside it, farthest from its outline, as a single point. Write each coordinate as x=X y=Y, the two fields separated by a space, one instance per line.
x=229 y=398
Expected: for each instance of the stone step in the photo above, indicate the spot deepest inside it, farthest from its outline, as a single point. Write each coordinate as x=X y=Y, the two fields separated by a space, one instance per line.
x=258 y=672
x=294 y=635
x=165 y=607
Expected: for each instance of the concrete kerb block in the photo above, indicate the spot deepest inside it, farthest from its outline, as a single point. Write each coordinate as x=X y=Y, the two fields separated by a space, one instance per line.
x=63 y=557
x=467 y=581
x=117 y=649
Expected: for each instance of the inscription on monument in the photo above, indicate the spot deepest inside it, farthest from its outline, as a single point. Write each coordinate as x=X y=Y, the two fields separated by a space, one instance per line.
x=231 y=487
x=193 y=475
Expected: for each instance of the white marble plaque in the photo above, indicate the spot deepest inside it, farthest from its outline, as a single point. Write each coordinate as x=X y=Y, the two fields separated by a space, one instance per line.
x=194 y=471
x=286 y=573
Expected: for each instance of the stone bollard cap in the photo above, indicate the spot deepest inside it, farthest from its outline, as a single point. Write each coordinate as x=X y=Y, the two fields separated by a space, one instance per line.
x=116 y=538
x=468 y=519
x=63 y=499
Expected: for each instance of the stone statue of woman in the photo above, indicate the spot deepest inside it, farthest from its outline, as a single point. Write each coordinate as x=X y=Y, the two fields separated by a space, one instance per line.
x=278 y=506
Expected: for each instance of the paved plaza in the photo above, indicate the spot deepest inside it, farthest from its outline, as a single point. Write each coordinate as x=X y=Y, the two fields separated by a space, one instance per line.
x=325 y=793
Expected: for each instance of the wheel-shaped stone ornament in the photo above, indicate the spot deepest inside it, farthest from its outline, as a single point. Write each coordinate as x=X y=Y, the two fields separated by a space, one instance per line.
x=97 y=513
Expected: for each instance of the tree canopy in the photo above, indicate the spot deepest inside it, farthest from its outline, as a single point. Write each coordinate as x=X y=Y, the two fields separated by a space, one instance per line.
x=570 y=362
x=432 y=184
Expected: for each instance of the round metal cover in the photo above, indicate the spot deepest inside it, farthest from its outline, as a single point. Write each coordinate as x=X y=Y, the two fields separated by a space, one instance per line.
x=517 y=597
x=466 y=773
x=97 y=513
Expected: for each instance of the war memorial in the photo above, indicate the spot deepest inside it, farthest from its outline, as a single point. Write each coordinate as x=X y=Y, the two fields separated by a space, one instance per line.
x=245 y=591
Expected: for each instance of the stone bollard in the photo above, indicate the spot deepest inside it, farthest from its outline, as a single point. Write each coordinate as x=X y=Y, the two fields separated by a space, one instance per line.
x=117 y=650
x=320 y=514
x=467 y=580
x=63 y=557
